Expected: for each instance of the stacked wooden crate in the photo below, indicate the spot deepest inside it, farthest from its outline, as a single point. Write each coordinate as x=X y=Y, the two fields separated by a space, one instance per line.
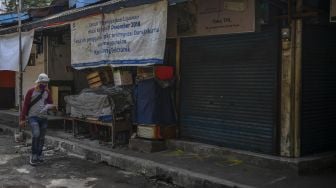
x=94 y=79
x=99 y=78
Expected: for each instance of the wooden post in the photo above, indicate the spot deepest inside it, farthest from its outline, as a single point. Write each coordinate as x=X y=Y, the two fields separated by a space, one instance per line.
x=297 y=82
x=291 y=84
x=286 y=139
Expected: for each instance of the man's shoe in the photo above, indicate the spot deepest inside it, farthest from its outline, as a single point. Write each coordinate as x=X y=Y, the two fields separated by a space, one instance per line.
x=33 y=161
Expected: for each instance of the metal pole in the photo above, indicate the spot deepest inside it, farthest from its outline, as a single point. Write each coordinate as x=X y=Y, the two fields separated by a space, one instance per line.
x=20 y=56
x=178 y=82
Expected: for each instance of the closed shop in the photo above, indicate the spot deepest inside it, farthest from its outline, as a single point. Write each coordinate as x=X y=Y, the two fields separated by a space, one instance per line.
x=318 y=115
x=229 y=86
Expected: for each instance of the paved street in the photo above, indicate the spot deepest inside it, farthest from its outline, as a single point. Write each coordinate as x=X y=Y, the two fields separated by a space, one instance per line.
x=61 y=171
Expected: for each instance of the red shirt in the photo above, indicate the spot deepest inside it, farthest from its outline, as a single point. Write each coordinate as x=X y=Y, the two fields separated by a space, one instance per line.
x=28 y=100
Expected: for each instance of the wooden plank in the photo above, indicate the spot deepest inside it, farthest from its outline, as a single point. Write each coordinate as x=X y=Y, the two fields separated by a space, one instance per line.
x=97 y=84
x=92 y=75
x=297 y=83
x=93 y=80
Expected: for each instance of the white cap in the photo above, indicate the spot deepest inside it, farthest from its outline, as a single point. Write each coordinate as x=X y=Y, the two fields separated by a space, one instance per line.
x=42 y=78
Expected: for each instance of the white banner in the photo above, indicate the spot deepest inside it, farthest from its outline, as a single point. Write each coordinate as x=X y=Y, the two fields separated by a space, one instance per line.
x=333 y=11
x=9 y=50
x=133 y=36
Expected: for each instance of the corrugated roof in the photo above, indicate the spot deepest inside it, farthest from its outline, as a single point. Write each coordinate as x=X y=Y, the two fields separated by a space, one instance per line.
x=78 y=13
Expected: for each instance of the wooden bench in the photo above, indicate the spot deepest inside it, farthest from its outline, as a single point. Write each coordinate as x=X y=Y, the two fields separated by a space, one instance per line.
x=115 y=126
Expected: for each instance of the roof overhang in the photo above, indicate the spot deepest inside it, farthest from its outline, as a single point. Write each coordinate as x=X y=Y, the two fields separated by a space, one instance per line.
x=65 y=17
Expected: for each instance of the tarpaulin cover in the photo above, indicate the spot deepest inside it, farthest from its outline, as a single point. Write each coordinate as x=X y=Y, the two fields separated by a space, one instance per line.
x=12 y=17
x=9 y=50
x=99 y=102
x=121 y=97
x=88 y=105
x=153 y=104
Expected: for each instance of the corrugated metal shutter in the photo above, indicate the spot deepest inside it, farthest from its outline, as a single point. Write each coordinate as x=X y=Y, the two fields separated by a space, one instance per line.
x=229 y=89
x=318 y=127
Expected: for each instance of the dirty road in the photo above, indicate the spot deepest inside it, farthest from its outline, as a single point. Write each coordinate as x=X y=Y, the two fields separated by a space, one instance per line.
x=60 y=170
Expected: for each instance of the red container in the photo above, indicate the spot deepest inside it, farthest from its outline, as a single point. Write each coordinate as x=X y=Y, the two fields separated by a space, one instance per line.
x=7 y=89
x=7 y=79
x=164 y=72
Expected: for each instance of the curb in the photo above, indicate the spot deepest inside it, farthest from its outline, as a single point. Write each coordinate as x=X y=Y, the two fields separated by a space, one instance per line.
x=302 y=166
x=175 y=175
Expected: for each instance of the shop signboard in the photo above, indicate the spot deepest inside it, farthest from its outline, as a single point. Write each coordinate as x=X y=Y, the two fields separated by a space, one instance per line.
x=132 y=36
x=332 y=10
x=199 y=17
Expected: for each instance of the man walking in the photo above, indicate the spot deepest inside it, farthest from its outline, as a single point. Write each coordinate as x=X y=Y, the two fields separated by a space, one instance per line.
x=36 y=103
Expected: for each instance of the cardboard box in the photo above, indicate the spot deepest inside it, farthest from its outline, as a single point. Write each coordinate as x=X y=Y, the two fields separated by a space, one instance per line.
x=145 y=72
x=156 y=132
x=122 y=78
x=54 y=94
x=148 y=131
x=58 y=93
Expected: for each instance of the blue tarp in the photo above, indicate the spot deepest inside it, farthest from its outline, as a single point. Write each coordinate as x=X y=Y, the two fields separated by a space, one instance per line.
x=174 y=2
x=153 y=104
x=10 y=18
x=81 y=3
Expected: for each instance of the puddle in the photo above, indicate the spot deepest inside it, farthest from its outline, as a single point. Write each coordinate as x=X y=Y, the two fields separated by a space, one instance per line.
x=23 y=170
x=125 y=173
x=49 y=153
x=71 y=183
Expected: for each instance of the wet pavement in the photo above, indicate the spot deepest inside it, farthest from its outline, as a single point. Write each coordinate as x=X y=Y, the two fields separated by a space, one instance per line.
x=60 y=170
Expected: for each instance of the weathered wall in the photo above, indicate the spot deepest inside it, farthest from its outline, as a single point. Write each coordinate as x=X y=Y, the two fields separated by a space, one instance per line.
x=59 y=57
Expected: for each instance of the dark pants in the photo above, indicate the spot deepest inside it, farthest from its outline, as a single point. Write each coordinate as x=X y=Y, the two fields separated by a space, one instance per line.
x=39 y=128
